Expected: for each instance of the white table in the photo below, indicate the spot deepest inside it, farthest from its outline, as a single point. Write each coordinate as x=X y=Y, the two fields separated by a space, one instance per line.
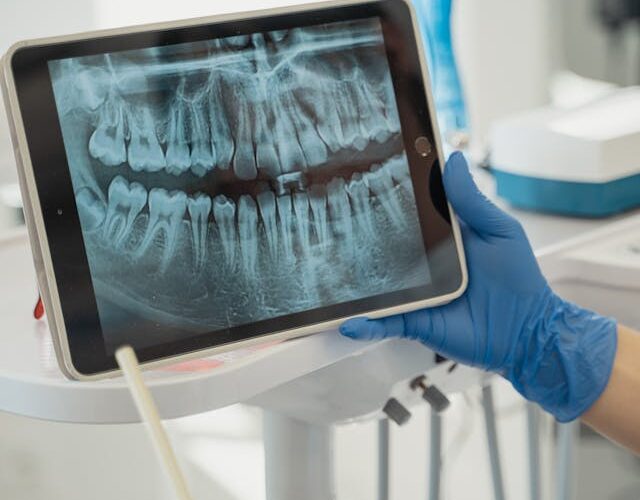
x=310 y=382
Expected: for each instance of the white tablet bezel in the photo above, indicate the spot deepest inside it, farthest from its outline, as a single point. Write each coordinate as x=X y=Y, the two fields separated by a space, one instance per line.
x=35 y=223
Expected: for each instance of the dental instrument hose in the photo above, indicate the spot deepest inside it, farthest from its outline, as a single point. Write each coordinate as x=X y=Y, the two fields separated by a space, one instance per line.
x=128 y=363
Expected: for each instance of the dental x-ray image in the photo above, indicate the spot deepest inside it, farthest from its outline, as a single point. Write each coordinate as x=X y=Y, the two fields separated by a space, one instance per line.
x=223 y=182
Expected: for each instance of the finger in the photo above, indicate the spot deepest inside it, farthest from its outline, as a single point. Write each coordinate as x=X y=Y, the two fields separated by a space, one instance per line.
x=470 y=204
x=373 y=329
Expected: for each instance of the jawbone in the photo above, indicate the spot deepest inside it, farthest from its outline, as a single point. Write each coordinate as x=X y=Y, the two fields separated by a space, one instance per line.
x=279 y=188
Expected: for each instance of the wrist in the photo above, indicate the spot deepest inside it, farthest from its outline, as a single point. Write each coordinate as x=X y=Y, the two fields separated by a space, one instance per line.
x=564 y=357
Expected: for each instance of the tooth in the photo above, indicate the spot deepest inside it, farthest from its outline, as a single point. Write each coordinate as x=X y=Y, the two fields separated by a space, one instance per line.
x=381 y=184
x=266 y=155
x=244 y=161
x=145 y=152
x=91 y=209
x=248 y=232
x=349 y=118
x=126 y=201
x=399 y=170
x=359 y=194
x=391 y=110
x=203 y=154
x=301 y=209
x=286 y=224
x=107 y=141
x=340 y=209
x=393 y=120
x=313 y=149
x=318 y=200
x=289 y=151
x=224 y=212
x=329 y=125
x=178 y=158
x=221 y=139
x=199 y=208
x=372 y=122
x=166 y=210
x=267 y=204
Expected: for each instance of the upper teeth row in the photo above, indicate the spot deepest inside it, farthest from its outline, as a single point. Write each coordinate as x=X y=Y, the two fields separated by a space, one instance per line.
x=249 y=124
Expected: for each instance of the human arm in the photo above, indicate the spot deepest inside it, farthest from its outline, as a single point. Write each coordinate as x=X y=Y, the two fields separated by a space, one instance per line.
x=616 y=413
x=509 y=321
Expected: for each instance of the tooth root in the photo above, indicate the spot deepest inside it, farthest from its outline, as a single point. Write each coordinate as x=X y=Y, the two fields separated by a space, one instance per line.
x=381 y=184
x=106 y=144
x=340 y=209
x=203 y=154
x=248 y=232
x=178 y=158
x=267 y=159
x=301 y=210
x=318 y=201
x=224 y=212
x=244 y=161
x=221 y=139
x=286 y=224
x=267 y=204
x=199 y=208
x=166 y=210
x=145 y=153
x=91 y=209
x=125 y=202
x=359 y=194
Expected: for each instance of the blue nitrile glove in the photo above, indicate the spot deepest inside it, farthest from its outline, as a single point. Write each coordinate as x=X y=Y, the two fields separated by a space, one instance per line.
x=508 y=321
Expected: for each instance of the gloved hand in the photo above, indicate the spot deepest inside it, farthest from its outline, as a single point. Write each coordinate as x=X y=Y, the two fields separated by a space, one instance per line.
x=508 y=321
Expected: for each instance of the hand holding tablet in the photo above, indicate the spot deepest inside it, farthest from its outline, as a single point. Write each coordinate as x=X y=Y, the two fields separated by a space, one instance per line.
x=197 y=184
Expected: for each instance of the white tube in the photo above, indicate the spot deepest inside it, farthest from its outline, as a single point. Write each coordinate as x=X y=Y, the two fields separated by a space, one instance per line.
x=128 y=363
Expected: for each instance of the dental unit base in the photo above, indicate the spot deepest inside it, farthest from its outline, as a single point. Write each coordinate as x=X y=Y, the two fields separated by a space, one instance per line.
x=583 y=161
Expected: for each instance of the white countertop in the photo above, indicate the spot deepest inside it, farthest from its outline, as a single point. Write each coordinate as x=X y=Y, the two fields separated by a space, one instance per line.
x=31 y=383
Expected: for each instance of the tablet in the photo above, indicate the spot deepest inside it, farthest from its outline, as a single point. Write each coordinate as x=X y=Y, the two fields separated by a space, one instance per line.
x=196 y=185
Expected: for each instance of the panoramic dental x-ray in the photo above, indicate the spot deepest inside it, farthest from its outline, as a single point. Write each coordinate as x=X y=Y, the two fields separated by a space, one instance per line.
x=228 y=181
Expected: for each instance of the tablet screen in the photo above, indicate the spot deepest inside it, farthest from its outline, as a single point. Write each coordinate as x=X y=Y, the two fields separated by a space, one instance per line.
x=229 y=181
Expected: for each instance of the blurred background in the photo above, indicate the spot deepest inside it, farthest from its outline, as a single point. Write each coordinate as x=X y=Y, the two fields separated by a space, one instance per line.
x=512 y=56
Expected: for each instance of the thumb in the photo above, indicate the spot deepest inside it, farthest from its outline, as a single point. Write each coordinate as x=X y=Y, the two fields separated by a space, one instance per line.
x=373 y=329
x=470 y=204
